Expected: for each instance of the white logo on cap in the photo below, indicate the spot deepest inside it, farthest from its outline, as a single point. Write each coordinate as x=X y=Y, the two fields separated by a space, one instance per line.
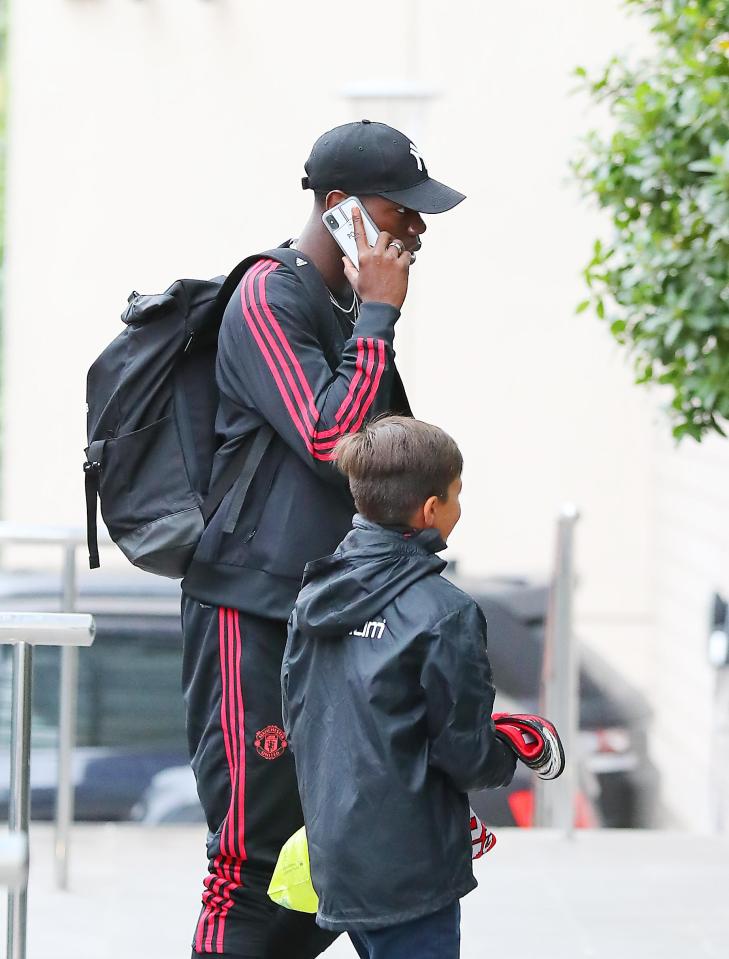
x=300 y=262
x=418 y=158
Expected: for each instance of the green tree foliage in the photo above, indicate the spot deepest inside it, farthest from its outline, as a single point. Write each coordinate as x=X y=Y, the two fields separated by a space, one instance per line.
x=662 y=279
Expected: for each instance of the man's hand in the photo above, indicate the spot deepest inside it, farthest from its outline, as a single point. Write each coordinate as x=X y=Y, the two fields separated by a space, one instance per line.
x=383 y=270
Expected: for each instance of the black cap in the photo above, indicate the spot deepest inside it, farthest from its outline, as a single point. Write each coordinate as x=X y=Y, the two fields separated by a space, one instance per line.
x=366 y=157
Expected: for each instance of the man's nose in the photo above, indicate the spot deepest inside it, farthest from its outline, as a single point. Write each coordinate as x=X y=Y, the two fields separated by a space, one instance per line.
x=417 y=226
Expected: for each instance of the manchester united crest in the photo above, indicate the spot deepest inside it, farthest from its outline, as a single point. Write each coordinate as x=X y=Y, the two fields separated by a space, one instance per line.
x=270 y=742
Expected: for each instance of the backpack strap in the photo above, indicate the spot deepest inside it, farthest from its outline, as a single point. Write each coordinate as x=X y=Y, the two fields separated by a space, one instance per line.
x=305 y=271
x=254 y=454
x=285 y=255
x=232 y=280
x=238 y=472
x=92 y=468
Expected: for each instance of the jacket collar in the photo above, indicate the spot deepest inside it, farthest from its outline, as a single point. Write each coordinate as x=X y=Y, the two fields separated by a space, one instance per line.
x=428 y=540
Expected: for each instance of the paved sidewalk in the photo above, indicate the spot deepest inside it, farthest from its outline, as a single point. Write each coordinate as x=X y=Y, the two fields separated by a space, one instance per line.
x=605 y=895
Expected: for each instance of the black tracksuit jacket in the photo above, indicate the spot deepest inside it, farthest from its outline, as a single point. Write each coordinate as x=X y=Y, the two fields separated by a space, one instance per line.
x=387 y=695
x=288 y=358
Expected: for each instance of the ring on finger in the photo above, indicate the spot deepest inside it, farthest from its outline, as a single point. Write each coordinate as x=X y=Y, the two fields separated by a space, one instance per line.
x=400 y=247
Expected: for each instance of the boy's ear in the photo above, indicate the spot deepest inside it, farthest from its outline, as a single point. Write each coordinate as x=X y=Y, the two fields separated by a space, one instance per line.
x=429 y=510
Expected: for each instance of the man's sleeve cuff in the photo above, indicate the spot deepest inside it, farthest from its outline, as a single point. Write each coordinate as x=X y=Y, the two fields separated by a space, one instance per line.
x=377 y=320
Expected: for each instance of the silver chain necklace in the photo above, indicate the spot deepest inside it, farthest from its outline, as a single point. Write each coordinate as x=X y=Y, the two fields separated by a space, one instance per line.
x=354 y=308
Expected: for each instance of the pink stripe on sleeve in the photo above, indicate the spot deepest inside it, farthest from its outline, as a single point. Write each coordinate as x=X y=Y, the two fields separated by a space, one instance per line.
x=375 y=385
x=273 y=345
x=274 y=372
x=344 y=427
x=353 y=383
x=292 y=356
x=318 y=437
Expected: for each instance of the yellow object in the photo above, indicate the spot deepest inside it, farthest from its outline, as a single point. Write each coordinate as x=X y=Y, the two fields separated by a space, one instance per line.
x=291 y=880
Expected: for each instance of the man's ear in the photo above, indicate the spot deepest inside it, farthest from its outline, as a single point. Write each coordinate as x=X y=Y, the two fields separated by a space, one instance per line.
x=334 y=197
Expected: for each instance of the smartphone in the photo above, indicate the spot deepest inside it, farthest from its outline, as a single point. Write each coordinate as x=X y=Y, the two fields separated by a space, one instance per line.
x=338 y=221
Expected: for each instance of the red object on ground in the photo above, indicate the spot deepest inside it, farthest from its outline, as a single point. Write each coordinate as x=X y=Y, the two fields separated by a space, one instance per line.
x=521 y=804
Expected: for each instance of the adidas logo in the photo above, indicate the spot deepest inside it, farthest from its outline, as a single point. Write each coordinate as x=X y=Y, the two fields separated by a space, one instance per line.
x=300 y=262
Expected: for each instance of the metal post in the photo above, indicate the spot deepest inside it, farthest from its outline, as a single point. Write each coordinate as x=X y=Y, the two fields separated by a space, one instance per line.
x=66 y=729
x=69 y=539
x=555 y=805
x=19 y=811
x=719 y=774
x=25 y=630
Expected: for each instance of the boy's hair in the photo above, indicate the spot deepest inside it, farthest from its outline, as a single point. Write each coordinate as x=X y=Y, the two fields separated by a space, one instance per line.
x=395 y=464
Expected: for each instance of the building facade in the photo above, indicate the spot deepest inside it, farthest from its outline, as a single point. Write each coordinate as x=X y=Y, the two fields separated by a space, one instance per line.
x=160 y=138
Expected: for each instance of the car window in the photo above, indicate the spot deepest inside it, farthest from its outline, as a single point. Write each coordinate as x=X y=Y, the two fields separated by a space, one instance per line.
x=129 y=691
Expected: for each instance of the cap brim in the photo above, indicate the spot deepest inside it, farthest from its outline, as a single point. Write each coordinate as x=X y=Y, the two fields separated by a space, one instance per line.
x=430 y=196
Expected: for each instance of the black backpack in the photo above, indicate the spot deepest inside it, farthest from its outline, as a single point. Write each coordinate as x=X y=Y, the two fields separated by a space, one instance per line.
x=152 y=401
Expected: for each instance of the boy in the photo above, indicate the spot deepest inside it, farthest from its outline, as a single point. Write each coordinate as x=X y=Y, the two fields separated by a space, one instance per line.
x=387 y=702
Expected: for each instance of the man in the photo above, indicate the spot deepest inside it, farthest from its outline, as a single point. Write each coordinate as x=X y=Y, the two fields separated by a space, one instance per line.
x=305 y=349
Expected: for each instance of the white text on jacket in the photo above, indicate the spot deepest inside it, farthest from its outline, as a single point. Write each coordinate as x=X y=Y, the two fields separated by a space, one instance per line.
x=372 y=629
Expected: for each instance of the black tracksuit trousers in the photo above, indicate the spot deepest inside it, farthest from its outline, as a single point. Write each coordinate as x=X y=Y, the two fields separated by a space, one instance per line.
x=246 y=781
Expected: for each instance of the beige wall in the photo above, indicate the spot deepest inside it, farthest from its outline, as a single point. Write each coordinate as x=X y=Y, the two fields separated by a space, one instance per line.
x=160 y=138
x=691 y=514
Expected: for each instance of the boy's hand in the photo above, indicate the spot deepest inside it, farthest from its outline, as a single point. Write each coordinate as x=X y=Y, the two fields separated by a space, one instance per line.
x=534 y=740
x=482 y=839
x=383 y=268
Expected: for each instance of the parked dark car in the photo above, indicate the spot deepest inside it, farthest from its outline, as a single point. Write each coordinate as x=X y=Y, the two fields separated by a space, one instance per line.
x=130 y=710
x=131 y=761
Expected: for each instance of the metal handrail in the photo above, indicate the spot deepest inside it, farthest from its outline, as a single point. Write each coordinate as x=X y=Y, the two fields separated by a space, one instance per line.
x=69 y=538
x=28 y=534
x=555 y=801
x=24 y=631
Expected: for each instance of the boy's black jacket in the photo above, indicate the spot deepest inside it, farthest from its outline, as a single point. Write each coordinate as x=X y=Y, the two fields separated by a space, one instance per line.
x=387 y=696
